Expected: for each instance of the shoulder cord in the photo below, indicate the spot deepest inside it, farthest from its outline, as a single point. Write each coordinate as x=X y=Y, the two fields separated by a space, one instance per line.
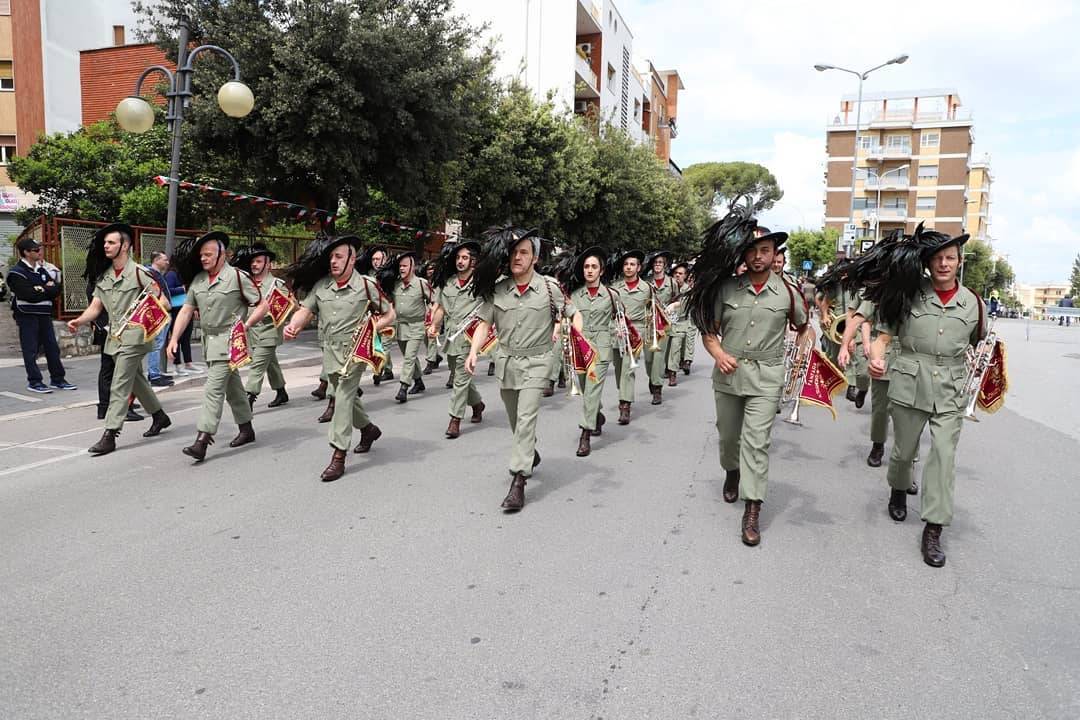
x=551 y=301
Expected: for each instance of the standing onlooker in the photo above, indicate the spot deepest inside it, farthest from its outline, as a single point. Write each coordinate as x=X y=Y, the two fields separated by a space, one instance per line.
x=178 y=294
x=1066 y=302
x=32 y=292
x=159 y=264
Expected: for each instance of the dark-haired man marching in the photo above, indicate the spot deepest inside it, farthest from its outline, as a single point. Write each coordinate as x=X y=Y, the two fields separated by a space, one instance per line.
x=264 y=337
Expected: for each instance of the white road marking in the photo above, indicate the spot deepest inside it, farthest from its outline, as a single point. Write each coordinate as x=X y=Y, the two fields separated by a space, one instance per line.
x=19 y=396
x=39 y=463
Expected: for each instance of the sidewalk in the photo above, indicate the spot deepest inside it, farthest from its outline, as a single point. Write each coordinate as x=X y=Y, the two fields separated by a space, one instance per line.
x=16 y=402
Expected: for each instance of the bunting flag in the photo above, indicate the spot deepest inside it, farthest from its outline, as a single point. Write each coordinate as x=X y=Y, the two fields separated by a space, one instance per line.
x=294 y=209
x=418 y=233
x=152 y=315
x=584 y=354
x=637 y=344
x=823 y=381
x=995 y=382
x=239 y=356
x=368 y=348
x=280 y=304
x=489 y=342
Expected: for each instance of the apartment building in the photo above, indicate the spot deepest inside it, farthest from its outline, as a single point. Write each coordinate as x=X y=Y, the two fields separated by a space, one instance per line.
x=10 y=196
x=911 y=154
x=977 y=223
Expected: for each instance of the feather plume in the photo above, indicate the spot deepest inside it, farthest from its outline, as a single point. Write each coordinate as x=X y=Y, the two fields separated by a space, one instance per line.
x=890 y=274
x=388 y=275
x=494 y=259
x=722 y=248
x=312 y=265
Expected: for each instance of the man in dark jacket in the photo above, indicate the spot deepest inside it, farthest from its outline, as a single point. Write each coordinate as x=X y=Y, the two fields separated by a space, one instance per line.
x=32 y=295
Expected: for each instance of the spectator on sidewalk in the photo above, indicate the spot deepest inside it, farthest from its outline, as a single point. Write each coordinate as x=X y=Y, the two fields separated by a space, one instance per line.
x=1065 y=302
x=178 y=294
x=159 y=264
x=33 y=290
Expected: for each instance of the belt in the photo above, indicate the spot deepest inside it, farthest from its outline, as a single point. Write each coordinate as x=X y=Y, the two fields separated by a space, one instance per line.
x=216 y=329
x=534 y=351
x=776 y=355
x=948 y=360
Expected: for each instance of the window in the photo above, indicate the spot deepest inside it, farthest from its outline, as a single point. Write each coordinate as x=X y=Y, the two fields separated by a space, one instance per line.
x=7 y=77
x=862 y=203
x=931 y=138
x=6 y=153
x=117 y=35
x=928 y=172
x=895 y=204
x=5 y=7
x=898 y=142
x=926 y=203
x=866 y=142
x=610 y=74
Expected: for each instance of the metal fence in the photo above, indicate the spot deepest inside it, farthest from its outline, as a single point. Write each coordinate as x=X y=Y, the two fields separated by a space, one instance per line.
x=74 y=242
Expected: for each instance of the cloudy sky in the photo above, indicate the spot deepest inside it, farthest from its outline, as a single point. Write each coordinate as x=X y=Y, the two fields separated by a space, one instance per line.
x=752 y=94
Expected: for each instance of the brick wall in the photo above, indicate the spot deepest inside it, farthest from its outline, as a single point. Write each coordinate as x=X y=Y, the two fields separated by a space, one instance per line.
x=108 y=76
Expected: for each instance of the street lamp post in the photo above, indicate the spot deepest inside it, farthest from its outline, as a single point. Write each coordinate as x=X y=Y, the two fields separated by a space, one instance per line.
x=135 y=115
x=898 y=60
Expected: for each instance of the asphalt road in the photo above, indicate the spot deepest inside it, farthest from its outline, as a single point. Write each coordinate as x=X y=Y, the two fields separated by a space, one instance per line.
x=137 y=585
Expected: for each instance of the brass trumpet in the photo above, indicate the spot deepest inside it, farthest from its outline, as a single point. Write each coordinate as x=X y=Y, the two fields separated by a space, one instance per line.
x=622 y=329
x=978 y=364
x=573 y=388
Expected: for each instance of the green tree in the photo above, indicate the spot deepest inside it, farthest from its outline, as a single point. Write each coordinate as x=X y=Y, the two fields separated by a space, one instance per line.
x=719 y=182
x=817 y=246
x=1074 y=279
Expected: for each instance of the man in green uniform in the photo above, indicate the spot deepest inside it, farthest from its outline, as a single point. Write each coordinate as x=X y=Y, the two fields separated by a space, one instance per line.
x=743 y=330
x=634 y=295
x=263 y=338
x=663 y=291
x=118 y=283
x=222 y=295
x=597 y=303
x=927 y=377
x=454 y=306
x=370 y=264
x=526 y=308
x=680 y=348
x=431 y=347
x=342 y=298
x=410 y=295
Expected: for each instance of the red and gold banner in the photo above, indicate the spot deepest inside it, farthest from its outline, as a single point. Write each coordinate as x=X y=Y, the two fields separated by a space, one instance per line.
x=239 y=356
x=823 y=381
x=584 y=354
x=489 y=342
x=660 y=320
x=152 y=315
x=368 y=347
x=636 y=343
x=280 y=304
x=995 y=383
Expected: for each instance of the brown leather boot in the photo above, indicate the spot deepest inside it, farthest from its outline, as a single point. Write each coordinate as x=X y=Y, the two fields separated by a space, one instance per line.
x=319 y=393
x=106 y=444
x=245 y=436
x=549 y=389
x=584 y=447
x=197 y=449
x=731 y=486
x=624 y=412
x=898 y=505
x=336 y=468
x=368 y=435
x=685 y=365
x=402 y=393
x=932 y=554
x=161 y=421
x=515 y=499
x=657 y=390
x=562 y=381
x=750 y=534
x=453 y=430
x=600 y=420
x=672 y=379
x=478 y=412
x=877 y=451
x=328 y=413
x=914 y=489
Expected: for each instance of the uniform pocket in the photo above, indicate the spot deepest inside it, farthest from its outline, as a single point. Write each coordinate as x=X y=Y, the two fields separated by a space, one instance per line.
x=959 y=375
x=904 y=381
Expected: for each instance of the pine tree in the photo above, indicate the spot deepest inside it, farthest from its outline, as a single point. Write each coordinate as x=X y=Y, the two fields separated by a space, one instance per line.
x=1074 y=279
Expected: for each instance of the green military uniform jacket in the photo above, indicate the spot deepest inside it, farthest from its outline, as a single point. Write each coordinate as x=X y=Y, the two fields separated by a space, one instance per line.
x=636 y=302
x=665 y=294
x=525 y=322
x=752 y=328
x=339 y=310
x=597 y=317
x=928 y=373
x=457 y=302
x=264 y=334
x=117 y=293
x=410 y=304
x=220 y=305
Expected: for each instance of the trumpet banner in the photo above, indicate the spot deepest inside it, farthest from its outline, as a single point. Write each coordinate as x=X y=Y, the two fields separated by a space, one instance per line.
x=995 y=382
x=239 y=354
x=152 y=315
x=280 y=304
x=823 y=381
x=660 y=321
x=489 y=342
x=637 y=344
x=584 y=354
x=368 y=348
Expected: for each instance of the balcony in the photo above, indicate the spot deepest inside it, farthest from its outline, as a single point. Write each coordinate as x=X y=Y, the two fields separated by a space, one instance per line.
x=589 y=18
x=887 y=182
x=887 y=152
x=887 y=214
x=586 y=85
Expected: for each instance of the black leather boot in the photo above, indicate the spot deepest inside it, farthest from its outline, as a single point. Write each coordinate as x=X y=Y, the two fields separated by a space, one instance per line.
x=106 y=444
x=245 y=436
x=197 y=449
x=898 y=505
x=932 y=554
x=160 y=422
x=515 y=498
x=877 y=451
x=328 y=413
x=402 y=393
x=319 y=393
x=584 y=446
x=731 y=486
x=417 y=387
x=251 y=400
x=368 y=435
x=280 y=398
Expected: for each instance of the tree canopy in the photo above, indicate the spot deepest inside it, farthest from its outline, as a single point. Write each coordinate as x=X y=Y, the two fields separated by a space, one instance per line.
x=817 y=246
x=1074 y=278
x=720 y=182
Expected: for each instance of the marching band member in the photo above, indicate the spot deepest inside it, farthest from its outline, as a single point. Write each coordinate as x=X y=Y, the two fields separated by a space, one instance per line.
x=635 y=296
x=663 y=292
x=526 y=308
x=118 y=285
x=681 y=347
x=264 y=337
x=411 y=295
x=751 y=314
x=371 y=263
x=431 y=348
x=454 y=306
x=342 y=298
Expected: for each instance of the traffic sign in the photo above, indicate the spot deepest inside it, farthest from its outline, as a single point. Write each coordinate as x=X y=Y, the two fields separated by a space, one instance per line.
x=807 y=264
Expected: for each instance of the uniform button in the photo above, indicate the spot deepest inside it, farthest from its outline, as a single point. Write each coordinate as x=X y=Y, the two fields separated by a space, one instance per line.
x=755 y=302
x=747 y=342
x=940 y=331
x=751 y=323
x=935 y=373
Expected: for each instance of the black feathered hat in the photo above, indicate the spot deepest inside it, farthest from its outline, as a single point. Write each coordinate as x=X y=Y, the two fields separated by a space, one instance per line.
x=96 y=262
x=244 y=255
x=723 y=245
x=187 y=254
x=936 y=242
x=779 y=239
x=639 y=254
x=446 y=263
x=577 y=277
x=495 y=256
x=364 y=262
x=666 y=254
x=314 y=263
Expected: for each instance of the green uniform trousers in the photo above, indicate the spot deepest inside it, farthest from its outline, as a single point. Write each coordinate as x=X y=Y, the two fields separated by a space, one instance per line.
x=464 y=392
x=858 y=370
x=624 y=376
x=879 y=411
x=346 y=415
x=691 y=342
x=555 y=362
x=523 y=408
x=678 y=350
x=745 y=427
x=831 y=349
x=939 y=472
x=410 y=365
x=656 y=362
x=222 y=384
x=593 y=392
x=128 y=378
x=264 y=362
